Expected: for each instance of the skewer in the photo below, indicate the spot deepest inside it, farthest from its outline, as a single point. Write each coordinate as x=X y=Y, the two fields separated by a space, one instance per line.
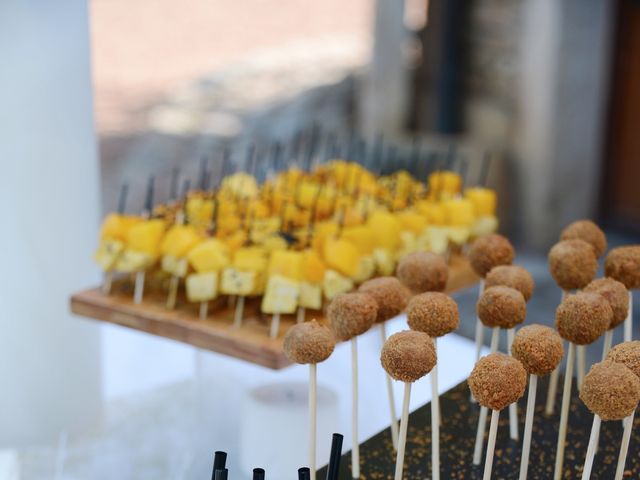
x=258 y=474
x=591 y=449
x=582 y=364
x=435 y=421
x=553 y=380
x=493 y=430
x=355 y=449
x=624 y=447
x=608 y=340
x=275 y=325
x=333 y=469
x=513 y=408
x=528 y=426
x=304 y=473
x=204 y=310
x=484 y=411
x=392 y=400
x=239 y=312
x=138 y=290
x=313 y=409
x=402 y=440
x=564 y=412
x=219 y=462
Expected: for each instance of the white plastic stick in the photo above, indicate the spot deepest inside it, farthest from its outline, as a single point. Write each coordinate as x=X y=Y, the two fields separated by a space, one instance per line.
x=495 y=336
x=608 y=341
x=435 y=424
x=313 y=395
x=564 y=412
x=402 y=439
x=204 y=310
x=139 y=288
x=628 y=323
x=482 y=425
x=301 y=315
x=479 y=331
x=624 y=447
x=553 y=381
x=355 y=449
x=528 y=426
x=275 y=325
x=238 y=315
x=591 y=449
x=582 y=364
x=392 y=400
x=513 y=408
x=491 y=445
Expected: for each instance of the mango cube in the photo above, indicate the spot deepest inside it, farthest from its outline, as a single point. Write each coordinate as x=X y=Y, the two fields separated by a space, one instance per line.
x=179 y=240
x=209 y=256
x=342 y=255
x=287 y=264
x=484 y=200
x=386 y=228
x=146 y=237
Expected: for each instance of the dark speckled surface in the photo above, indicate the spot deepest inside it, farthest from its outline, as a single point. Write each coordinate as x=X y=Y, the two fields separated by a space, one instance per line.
x=458 y=430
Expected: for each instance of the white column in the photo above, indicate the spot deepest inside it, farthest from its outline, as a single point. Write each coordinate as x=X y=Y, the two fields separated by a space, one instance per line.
x=49 y=360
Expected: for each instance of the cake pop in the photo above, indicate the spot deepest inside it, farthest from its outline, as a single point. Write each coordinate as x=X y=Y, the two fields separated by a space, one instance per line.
x=352 y=314
x=539 y=349
x=623 y=264
x=423 y=272
x=435 y=314
x=407 y=356
x=611 y=391
x=589 y=232
x=580 y=319
x=392 y=298
x=496 y=381
x=486 y=253
x=513 y=276
x=618 y=297
x=627 y=353
x=573 y=264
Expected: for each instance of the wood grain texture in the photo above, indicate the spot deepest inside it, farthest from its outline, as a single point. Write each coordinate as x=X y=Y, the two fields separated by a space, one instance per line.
x=250 y=342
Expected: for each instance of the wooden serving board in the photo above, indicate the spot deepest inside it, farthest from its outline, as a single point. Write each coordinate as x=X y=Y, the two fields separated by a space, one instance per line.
x=251 y=342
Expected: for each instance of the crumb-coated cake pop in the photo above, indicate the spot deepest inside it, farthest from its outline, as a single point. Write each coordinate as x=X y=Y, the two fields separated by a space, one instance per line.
x=572 y=263
x=497 y=381
x=351 y=314
x=610 y=390
x=408 y=356
x=627 y=353
x=390 y=295
x=616 y=294
x=502 y=307
x=434 y=313
x=423 y=272
x=513 y=276
x=309 y=342
x=583 y=317
x=623 y=264
x=490 y=251
x=539 y=349
x=589 y=232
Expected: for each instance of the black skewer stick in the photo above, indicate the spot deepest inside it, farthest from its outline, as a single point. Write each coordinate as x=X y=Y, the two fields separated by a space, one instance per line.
x=173 y=188
x=186 y=186
x=330 y=146
x=122 y=200
x=484 y=170
x=219 y=463
x=304 y=473
x=377 y=155
x=415 y=154
x=334 y=460
x=226 y=156
x=450 y=158
x=214 y=217
x=464 y=167
x=203 y=173
x=222 y=474
x=148 y=203
x=258 y=474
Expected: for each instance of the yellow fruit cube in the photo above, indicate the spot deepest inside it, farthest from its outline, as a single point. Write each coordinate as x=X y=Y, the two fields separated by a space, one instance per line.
x=116 y=226
x=335 y=283
x=444 y=182
x=211 y=255
x=174 y=265
x=412 y=221
x=286 y=264
x=238 y=282
x=146 y=237
x=133 y=261
x=281 y=295
x=202 y=287
x=485 y=225
x=434 y=212
x=386 y=228
x=251 y=259
x=459 y=212
x=438 y=239
x=342 y=255
x=179 y=240
x=361 y=236
x=458 y=235
x=313 y=267
x=107 y=253
x=484 y=200
x=385 y=265
x=366 y=269
x=310 y=295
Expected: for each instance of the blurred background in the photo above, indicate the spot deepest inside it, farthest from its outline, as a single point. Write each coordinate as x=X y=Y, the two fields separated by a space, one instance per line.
x=110 y=91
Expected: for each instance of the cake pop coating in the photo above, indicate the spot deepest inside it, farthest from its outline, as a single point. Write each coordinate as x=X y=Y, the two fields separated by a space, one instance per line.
x=351 y=314
x=423 y=272
x=408 y=356
x=583 y=317
x=627 y=353
x=497 y=381
x=513 y=276
x=490 y=251
x=610 y=390
x=434 y=313
x=572 y=263
x=623 y=264
x=539 y=349
x=502 y=307
x=308 y=342
x=390 y=295
x=589 y=232
x=616 y=294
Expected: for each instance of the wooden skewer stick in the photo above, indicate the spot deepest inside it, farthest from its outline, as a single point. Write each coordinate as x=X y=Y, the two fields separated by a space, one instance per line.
x=528 y=426
x=479 y=330
x=275 y=325
x=564 y=412
x=239 y=312
x=484 y=411
x=513 y=408
x=582 y=363
x=355 y=449
x=624 y=447
x=392 y=400
x=591 y=449
x=553 y=381
x=402 y=439
x=204 y=310
x=313 y=397
x=491 y=445
x=435 y=421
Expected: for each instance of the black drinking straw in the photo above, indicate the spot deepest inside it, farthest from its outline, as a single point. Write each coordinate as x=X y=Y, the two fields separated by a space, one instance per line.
x=148 y=204
x=334 y=459
x=304 y=473
x=258 y=474
x=122 y=200
x=221 y=474
x=219 y=462
x=484 y=170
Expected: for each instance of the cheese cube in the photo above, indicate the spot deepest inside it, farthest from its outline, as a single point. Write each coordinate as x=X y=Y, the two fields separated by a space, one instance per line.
x=335 y=283
x=310 y=295
x=281 y=295
x=238 y=282
x=202 y=287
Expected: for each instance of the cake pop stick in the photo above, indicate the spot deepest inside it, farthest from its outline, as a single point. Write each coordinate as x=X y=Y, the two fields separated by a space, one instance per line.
x=581 y=365
x=496 y=381
x=304 y=473
x=540 y=351
x=623 y=264
x=611 y=392
x=333 y=469
x=513 y=408
x=407 y=356
x=580 y=319
x=624 y=446
x=392 y=400
x=310 y=343
x=352 y=314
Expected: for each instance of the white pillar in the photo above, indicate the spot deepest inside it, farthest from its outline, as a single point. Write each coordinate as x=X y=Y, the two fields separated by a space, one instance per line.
x=49 y=361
